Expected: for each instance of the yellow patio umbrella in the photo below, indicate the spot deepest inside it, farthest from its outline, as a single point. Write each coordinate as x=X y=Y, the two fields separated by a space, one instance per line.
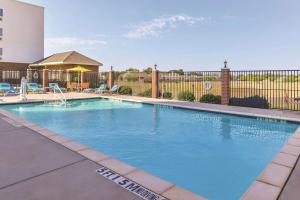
x=79 y=69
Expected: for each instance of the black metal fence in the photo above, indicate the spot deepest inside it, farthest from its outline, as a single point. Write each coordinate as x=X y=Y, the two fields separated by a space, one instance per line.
x=268 y=87
x=271 y=86
x=139 y=82
x=197 y=82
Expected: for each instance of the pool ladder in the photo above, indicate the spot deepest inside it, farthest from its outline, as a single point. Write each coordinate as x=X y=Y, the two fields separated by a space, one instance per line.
x=58 y=94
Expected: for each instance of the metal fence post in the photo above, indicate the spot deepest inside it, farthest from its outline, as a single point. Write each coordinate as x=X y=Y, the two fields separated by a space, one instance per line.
x=155 y=89
x=225 y=85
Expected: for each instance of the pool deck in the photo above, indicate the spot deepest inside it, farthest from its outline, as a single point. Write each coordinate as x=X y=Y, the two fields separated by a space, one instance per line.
x=36 y=163
x=34 y=167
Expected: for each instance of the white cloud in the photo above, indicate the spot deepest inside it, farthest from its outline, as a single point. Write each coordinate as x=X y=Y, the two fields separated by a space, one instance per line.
x=69 y=42
x=157 y=26
x=229 y=17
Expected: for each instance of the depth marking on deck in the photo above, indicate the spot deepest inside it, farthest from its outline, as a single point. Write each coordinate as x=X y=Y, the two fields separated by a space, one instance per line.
x=129 y=185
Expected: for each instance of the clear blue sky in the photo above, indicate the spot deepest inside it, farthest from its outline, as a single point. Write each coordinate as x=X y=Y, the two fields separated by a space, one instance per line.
x=189 y=34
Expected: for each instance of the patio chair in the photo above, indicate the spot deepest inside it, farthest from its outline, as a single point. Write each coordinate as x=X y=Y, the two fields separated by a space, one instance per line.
x=114 y=89
x=290 y=101
x=101 y=89
x=34 y=88
x=7 y=90
x=53 y=86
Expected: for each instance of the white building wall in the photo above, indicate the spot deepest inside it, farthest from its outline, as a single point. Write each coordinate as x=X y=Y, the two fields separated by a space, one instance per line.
x=23 y=32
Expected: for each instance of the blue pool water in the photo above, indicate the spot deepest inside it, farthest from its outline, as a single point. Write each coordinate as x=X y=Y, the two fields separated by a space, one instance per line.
x=214 y=155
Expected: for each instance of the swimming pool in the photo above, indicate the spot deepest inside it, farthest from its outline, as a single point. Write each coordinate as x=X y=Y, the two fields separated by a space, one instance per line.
x=214 y=155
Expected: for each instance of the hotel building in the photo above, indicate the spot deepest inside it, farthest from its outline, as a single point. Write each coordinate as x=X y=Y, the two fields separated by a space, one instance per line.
x=21 y=34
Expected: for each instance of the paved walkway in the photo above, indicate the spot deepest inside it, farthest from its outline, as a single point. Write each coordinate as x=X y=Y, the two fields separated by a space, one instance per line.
x=292 y=188
x=32 y=167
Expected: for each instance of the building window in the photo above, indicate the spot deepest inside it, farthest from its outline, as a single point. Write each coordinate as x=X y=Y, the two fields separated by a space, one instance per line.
x=1 y=52
x=1 y=12
x=1 y=32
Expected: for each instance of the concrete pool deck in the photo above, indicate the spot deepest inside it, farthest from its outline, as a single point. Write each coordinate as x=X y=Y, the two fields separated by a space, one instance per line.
x=280 y=179
x=34 y=167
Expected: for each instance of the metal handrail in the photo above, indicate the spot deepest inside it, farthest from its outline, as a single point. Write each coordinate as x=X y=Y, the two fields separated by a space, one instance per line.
x=62 y=97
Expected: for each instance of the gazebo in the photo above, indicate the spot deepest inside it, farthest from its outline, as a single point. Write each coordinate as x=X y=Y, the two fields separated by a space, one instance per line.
x=59 y=67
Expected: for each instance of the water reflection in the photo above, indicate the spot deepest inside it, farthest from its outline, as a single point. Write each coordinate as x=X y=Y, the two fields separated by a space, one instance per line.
x=226 y=128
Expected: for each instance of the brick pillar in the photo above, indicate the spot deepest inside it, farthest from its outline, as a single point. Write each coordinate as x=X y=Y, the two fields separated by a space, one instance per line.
x=225 y=86
x=155 y=88
x=110 y=79
x=45 y=78
x=29 y=75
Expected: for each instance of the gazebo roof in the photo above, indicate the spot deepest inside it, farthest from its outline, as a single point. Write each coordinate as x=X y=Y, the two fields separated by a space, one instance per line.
x=66 y=58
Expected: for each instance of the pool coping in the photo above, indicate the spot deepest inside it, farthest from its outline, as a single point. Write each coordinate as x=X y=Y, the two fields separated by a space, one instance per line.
x=268 y=185
x=172 y=103
x=157 y=185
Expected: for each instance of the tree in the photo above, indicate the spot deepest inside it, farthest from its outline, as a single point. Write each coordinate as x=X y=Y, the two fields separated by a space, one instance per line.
x=177 y=71
x=148 y=70
x=132 y=70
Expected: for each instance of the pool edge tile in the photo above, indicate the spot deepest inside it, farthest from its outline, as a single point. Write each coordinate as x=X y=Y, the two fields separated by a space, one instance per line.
x=296 y=135
x=37 y=128
x=176 y=193
x=149 y=181
x=261 y=191
x=290 y=149
x=47 y=133
x=60 y=139
x=294 y=142
x=93 y=155
x=117 y=166
x=284 y=159
x=74 y=146
x=275 y=175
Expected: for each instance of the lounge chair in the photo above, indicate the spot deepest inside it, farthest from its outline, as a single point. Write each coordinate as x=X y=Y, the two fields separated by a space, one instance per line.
x=34 y=88
x=114 y=89
x=101 y=89
x=290 y=101
x=7 y=90
x=53 y=86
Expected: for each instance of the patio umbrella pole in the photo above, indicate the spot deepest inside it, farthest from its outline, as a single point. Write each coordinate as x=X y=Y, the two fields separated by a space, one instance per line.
x=81 y=70
x=78 y=83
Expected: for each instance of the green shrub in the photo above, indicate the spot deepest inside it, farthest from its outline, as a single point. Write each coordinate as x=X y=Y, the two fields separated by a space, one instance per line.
x=186 y=96
x=210 y=98
x=148 y=79
x=167 y=95
x=125 y=90
x=146 y=93
x=132 y=78
x=253 y=102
